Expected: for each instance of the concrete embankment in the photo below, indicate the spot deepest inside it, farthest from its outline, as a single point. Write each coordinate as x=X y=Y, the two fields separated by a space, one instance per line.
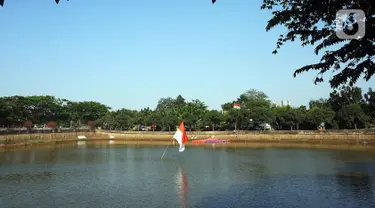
x=337 y=137
x=30 y=139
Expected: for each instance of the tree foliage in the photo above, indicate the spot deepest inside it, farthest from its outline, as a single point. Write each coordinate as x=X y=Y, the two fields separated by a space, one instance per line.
x=345 y=108
x=352 y=116
x=313 y=23
x=41 y=110
x=368 y=105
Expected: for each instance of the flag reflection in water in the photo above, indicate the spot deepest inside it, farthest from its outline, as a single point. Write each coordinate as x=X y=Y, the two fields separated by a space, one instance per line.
x=182 y=186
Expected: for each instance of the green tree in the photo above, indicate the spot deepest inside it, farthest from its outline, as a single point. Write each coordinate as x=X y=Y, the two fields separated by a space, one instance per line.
x=172 y=106
x=316 y=115
x=345 y=108
x=179 y=102
x=213 y=118
x=304 y=19
x=288 y=117
x=279 y=112
x=345 y=96
x=108 y=121
x=321 y=103
x=261 y=114
x=63 y=117
x=13 y=111
x=368 y=104
x=313 y=23
x=82 y=112
x=227 y=106
x=124 y=119
x=143 y=116
x=192 y=113
x=255 y=109
x=166 y=120
x=166 y=104
x=300 y=116
x=42 y=108
x=170 y=121
x=352 y=116
x=234 y=118
x=253 y=94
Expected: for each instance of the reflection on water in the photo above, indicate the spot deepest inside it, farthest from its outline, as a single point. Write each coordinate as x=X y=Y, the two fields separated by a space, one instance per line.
x=360 y=184
x=27 y=176
x=182 y=187
x=357 y=182
x=107 y=175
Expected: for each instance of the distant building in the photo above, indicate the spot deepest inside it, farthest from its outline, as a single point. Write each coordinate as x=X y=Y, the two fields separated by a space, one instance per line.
x=282 y=103
x=286 y=103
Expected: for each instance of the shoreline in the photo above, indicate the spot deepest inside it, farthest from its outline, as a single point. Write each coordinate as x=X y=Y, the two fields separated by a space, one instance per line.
x=320 y=138
x=90 y=143
x=300 y=137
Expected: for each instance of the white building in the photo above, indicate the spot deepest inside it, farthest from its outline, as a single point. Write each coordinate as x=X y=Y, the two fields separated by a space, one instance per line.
x=282 y=103
x=285 y=103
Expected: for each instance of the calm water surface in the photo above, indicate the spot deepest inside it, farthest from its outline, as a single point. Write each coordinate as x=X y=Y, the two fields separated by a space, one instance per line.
x=130 y=176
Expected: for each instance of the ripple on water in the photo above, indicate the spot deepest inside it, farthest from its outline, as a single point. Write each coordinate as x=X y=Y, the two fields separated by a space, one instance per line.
x=199 y=177
x=27 y=176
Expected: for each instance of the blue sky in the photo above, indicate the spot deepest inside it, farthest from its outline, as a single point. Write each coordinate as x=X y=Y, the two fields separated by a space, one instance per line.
x=132 y=53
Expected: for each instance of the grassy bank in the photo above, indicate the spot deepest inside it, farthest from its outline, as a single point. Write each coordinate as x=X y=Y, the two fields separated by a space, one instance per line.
x=285 y=137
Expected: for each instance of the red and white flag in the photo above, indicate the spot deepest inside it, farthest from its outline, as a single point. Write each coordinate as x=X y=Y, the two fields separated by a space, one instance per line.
x=181 y=136
x=236 y=106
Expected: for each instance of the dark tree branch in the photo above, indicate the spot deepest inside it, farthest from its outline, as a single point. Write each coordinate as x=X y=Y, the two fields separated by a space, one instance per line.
x=304 y=19
x=2 y=2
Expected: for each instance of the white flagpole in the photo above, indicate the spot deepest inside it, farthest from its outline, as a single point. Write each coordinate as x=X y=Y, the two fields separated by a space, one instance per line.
x=165 y=150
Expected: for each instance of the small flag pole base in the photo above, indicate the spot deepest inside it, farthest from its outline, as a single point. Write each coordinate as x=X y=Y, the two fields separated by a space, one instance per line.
x=165 y=150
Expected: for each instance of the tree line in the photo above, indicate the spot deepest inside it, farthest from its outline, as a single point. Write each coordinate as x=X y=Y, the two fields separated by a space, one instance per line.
x=345 y=108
